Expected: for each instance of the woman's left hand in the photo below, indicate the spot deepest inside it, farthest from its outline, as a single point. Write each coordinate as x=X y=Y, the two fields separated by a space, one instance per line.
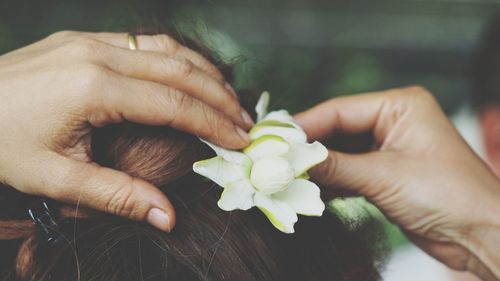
x=55 y=91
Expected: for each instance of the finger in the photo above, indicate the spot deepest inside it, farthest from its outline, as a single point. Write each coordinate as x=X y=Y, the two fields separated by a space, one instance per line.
x=106 y=190
x=156 y=104
x=180 y=74
x=365 y=174
x=353 y=114
x=160 y=43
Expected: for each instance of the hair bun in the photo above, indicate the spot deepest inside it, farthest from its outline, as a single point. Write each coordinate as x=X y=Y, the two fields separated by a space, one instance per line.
x=157 y=155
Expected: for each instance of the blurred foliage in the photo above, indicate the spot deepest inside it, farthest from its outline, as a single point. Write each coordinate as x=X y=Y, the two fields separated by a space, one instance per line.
x=302 y=51
x=356 y=211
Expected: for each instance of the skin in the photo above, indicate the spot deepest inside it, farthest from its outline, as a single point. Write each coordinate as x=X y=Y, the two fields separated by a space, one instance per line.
x=419 y=172
x=55 y=91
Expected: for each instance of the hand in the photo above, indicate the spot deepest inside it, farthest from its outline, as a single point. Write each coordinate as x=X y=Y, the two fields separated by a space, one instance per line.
x=55 y=91
x=420 y=173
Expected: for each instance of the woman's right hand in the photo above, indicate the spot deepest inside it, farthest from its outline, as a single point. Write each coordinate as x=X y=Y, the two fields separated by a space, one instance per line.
x=420 y=173
x=55 y=91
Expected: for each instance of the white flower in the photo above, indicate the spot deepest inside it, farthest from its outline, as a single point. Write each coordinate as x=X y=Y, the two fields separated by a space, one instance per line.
x=271 y=173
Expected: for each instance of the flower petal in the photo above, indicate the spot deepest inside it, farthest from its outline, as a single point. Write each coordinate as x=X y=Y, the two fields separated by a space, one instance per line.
x=229 y=155
x=237 y=196
x=305 y=176
x=262 y=105
x=266 y=146
x=304 y=156
x=281 y=116
x=287 y=133
x=303 y=197
x=220 y=171
x=272 y=123
x=279 y=214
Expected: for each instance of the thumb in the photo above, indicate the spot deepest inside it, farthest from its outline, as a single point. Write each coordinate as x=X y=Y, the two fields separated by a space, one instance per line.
x=367 y=174
x=107 y=190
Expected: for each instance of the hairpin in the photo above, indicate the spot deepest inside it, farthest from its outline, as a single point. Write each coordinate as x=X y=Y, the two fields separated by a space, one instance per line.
x=44 y=219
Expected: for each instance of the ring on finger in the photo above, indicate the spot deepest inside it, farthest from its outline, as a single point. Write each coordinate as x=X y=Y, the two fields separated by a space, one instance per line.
x=132 y=41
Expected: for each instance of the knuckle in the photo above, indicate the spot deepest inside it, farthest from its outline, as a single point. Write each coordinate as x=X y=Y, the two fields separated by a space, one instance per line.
x=64 y=34
x=177 y=102
x=328 y=170
x=120 y=202
x=215 y=125
x=167 y=43
x=84 y=47
x=421 y=93
x=91 y=79
x=412 y=94
x=212 y=70
x=181 y=67
x=211 y=120
x=180 y=101
x=91 y=74
x=417 y=89
x=90 y=71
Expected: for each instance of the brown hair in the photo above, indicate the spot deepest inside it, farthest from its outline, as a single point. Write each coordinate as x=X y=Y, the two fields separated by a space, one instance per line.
x=207 y=243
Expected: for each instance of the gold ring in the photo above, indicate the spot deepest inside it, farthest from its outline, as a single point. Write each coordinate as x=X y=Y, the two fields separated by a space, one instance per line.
x=132 y=41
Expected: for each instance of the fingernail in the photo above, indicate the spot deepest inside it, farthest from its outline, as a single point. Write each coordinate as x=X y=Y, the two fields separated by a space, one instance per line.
x=244 y=136
x=247 y=119
x=231 y=90
x=159 y=219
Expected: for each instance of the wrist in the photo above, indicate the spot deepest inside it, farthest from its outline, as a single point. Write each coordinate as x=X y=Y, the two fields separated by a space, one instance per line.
x=483 y=241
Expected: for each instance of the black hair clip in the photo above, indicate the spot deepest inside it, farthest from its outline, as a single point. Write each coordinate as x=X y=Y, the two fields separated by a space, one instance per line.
x=44 y=219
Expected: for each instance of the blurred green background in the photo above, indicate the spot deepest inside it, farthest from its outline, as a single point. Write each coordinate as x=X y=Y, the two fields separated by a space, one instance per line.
x=302 y=51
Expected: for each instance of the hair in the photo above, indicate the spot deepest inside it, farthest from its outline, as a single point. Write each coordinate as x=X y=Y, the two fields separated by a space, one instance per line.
x=206 y=244
x=485 y=70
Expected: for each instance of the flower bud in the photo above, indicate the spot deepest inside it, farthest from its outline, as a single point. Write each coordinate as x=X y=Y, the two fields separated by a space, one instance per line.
x=271 y=174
